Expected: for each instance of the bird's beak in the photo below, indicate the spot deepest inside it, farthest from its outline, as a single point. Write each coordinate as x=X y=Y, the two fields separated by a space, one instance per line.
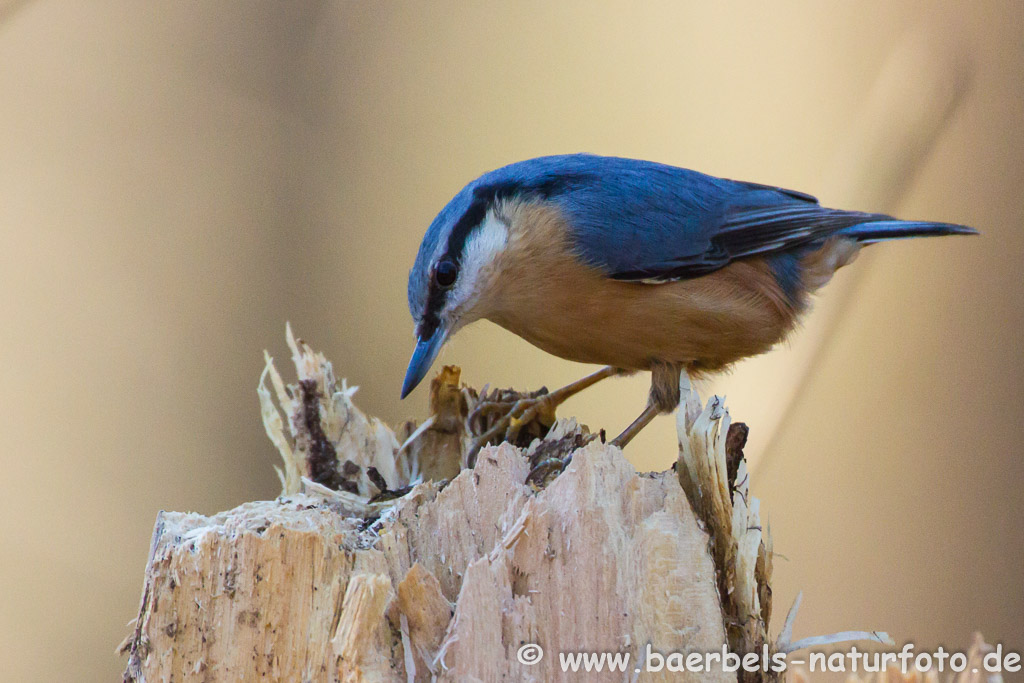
x=422 y=358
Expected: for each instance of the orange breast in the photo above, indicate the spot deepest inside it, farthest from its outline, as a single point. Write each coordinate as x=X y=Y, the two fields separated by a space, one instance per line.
x=542 y=292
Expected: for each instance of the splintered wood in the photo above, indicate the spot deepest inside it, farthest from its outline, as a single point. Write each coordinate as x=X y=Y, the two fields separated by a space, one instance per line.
x=385 y=560
x=450 y=586
x=713 y=473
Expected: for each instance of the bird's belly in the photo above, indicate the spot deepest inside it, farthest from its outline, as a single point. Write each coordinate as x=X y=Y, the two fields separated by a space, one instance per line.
x=705 y=323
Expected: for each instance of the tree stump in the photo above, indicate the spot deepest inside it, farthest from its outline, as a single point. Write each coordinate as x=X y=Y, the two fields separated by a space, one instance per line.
x=364 y=571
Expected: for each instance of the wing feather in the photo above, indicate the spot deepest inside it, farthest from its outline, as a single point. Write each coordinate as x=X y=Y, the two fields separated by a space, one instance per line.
x=644 y=221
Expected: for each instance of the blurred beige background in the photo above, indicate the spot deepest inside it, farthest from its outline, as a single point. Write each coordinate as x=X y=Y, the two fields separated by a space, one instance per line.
x=178 y=180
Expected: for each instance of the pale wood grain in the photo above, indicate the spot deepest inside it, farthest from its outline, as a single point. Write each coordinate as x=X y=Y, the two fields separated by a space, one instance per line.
x=292 y=589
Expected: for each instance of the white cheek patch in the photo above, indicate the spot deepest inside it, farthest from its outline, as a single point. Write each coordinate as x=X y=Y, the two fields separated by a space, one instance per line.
x=482 y=247
x=486 y=242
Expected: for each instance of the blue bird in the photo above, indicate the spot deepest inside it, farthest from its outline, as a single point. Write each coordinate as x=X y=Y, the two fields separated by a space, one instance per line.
x=634 y=265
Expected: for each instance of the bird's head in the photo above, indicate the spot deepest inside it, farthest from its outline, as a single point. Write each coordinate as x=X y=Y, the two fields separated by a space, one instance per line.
x=454 y=273
x=457 y=274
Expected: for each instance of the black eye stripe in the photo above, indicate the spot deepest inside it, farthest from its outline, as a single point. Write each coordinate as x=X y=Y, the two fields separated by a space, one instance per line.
x=473 y=217
x=437 y=292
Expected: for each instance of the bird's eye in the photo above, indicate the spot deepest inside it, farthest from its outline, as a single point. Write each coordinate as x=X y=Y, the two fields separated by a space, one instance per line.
x=445 y=273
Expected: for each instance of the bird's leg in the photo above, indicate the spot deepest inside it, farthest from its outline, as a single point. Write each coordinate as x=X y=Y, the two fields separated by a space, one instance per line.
x=650 y=412
x=524 y=410
x=664 y=398
x=551 y=401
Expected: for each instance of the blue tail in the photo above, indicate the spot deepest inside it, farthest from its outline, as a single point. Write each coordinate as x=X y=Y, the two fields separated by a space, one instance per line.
x=892 y=229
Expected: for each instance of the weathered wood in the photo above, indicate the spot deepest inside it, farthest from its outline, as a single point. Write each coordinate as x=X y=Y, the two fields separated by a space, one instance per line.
x=451 y=584
x=362 y=571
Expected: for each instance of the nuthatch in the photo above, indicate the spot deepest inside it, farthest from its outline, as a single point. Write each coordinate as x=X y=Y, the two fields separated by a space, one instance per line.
x=631 y=264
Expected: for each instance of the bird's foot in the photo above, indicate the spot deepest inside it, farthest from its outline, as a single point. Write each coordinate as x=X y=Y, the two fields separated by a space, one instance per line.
x=531 y=416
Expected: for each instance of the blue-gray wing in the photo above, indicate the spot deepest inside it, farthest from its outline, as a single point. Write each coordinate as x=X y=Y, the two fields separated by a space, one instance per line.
x=640 y=220
x=734 y=231
x=654 y=222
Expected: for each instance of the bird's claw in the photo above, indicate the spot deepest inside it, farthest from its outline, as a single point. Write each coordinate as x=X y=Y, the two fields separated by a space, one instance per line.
x=520 y=414
x=524 y=412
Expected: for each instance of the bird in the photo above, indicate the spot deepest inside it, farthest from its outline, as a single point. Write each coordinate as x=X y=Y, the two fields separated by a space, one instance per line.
x=633 y=265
